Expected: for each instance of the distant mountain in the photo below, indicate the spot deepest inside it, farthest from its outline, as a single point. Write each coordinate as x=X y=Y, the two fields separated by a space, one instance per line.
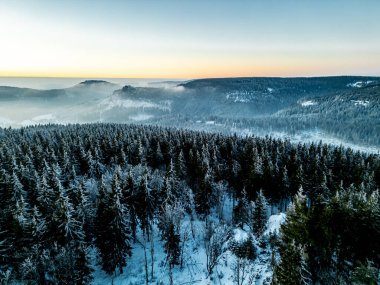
x=353 y=114
x=14 y=93
x=90 y=89
x=240 y=97
x=346 y=107
x=355 y=103
x=269 y=94
x=91 y=82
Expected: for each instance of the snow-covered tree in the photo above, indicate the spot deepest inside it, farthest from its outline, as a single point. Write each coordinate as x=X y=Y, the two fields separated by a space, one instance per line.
x=113 y=234
x=259 y=214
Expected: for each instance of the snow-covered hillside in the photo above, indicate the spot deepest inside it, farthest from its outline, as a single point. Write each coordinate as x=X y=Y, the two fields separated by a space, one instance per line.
x=194 y=263
x=342 y=112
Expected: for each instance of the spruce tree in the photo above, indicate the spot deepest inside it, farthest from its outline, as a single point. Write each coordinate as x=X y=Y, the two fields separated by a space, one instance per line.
x=288 y=271
x=114 y=230
x=259 y=214
x=172 y=245
x=293 y=235
x=83 y=269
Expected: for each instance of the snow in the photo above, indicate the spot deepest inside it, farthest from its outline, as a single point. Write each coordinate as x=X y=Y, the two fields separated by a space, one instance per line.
x=175 y=89
x=193 y=271
x=194 y=259
x=364 y=103
x=239 y=96
x=141 y=117
x=274 y=224
x=127 y=103
x=308 y=103
x=359 y=84
x=240 y=235
x=41 y=119
x=5 y=122
x=309 y=136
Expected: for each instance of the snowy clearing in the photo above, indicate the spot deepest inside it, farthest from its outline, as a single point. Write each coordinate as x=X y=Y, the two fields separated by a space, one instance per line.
x=138 y=104
x=274 y=224
x=364 y=103
x=359 y=84
x=193 y=270
x=308 y=103
x=141 y=117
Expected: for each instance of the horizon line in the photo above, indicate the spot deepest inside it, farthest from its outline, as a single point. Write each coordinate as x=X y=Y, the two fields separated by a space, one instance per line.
x=190 y=78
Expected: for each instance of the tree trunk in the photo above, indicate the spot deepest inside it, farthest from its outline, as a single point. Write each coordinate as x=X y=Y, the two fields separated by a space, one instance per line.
x=152 y=255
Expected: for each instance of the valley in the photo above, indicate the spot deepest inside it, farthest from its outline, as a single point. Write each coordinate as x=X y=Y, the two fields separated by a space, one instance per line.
x=338 y=110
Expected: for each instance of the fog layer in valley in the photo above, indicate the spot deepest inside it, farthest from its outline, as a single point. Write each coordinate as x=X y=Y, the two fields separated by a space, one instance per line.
x=338 y=110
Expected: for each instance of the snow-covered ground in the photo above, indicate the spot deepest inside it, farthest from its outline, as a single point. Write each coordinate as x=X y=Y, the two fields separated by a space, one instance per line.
x=239 y=96
x=141 y=117
x=308 y=103
x=194 y=267
x=359 y=84
x=136 y=104
x=364 y=103
x=274 y=224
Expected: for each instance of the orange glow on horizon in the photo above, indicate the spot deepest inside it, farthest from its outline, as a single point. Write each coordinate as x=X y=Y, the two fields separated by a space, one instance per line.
x=180 y=66
x=164 y=42
x=181 y=75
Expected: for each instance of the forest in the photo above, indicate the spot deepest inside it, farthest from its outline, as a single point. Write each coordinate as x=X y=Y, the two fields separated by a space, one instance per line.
x=343 y=108
x=65 y=190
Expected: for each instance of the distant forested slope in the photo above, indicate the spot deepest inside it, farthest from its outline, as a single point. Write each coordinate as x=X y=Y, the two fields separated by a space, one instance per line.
x=343 y=107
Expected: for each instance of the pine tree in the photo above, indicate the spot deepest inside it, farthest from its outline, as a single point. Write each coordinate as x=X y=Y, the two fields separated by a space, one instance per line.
x=83 y=269
x=285 y=182
x=171 y=187
x=113 y=238
x=288 y=271
x=244 y=249
x=241 y=211
x=14 y=221
x=84 y=212
x=203 y=197
x=180 y=167
x=297 y=218
x=172 y=245
x=365 y=275
x=293 y=236
x=144 y=204
x=65 y=224
x=128 y=199
x=159 y=157
x=259 y=214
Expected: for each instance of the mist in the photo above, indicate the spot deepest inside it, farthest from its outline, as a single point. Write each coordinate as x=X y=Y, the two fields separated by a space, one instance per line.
x=245 y=106
x=46 y=83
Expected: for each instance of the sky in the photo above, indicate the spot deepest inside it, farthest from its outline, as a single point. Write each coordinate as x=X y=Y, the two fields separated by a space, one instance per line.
x=189 y=38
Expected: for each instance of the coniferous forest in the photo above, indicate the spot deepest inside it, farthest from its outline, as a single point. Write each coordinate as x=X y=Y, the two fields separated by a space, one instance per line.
x=69 y=191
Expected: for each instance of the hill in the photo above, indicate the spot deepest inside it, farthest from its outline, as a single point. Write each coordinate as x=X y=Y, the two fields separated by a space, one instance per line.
x=344 y=109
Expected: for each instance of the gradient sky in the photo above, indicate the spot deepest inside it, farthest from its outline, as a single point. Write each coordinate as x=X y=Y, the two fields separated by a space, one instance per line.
x=189 y=39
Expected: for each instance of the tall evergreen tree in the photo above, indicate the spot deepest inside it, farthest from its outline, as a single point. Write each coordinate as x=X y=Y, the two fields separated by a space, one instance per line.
x=259 y=214
x=114 y=228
